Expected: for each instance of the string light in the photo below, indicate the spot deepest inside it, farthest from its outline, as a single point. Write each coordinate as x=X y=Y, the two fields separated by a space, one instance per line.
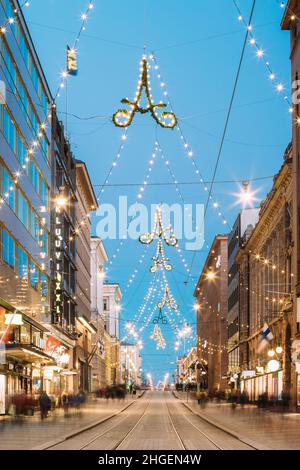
x=140 y=193
x=12 y=19
x=190 y=153
x=65 y=74
x=124 y=118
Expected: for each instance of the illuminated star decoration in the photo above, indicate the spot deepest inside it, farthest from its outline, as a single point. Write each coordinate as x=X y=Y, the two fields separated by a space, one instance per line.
x=160 y=260
x=158 y=232
x=124 y=117
x=167 y=299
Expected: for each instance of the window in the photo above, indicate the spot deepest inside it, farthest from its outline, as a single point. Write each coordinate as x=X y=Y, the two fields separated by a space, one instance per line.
x=44 y=192
x=22 y=263
x=34 y=176
x=25 y=334
x=9 y=70
x=23 y=209
x=22 y=151
x=44 y=102
x=105 y=304
x=9 y=190
x=35 y=78
x=24 y=49
x=34 y=275
x=8 y=249
x=33 y=225
x=43 y=239
x=44 y=286
x=9 y=130
x=33 y=120
x=45 y=146
x=23 y=98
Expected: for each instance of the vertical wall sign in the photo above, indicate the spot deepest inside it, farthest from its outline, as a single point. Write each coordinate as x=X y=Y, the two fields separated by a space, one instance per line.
x=58 y=267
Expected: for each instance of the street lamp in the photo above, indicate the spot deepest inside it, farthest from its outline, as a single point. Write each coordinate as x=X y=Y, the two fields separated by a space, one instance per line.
x=60 y=202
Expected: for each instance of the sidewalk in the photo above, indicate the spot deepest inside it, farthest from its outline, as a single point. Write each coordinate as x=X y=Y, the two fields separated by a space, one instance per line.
x=30 y=432
x=276 y=431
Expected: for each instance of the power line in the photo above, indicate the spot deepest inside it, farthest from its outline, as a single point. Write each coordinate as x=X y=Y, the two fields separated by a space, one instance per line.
x=188 y=183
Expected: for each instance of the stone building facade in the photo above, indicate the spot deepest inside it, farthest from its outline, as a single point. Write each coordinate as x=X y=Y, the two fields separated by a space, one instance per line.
x=266 y=278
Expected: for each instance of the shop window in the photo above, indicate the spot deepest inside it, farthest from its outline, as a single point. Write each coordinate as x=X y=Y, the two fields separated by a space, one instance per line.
x=25 y=336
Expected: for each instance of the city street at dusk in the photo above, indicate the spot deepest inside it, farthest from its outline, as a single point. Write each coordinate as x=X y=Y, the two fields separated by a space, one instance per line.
x=149 y=230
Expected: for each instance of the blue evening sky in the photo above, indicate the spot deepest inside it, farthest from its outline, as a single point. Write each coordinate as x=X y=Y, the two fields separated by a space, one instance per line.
x=197 y=44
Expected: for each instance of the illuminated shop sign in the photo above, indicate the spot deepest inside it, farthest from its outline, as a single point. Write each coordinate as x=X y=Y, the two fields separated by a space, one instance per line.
x=58 y=269
x=58 y=351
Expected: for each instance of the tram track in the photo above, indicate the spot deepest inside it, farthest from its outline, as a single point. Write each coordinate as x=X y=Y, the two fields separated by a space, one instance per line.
x=147 y=424
x=205 y=434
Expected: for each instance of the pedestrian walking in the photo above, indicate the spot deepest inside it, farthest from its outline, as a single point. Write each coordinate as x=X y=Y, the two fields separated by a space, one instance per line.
x=45 y=405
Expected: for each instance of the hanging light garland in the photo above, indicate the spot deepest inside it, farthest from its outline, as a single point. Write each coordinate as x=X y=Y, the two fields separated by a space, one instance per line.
x=12 y=19
x=140 y=194
x=124 y=117
x=187 y=147
x=71 y=65
x=260 y=54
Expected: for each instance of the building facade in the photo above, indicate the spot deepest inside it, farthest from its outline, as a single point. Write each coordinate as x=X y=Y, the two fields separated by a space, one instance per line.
x=86 y=203
x=25 y=184
x=112 y=297
x=131 y=364
x=291 y=23
x=212 y=308
x=266 y=280
x=98 y=260
x=186 y=371
x=243 y=225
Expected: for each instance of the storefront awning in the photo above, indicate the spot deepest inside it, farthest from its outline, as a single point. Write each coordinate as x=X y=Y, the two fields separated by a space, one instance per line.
x=27 y=353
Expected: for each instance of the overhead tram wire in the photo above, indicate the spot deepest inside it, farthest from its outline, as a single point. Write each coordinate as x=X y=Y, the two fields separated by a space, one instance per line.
x=186 y=183
x=226 y=123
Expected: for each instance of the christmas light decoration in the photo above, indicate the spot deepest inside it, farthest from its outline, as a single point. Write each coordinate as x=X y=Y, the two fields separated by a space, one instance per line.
x=158 y=232
x=158 y=337
x=160 y=260
x=169 y=300
x=124 y=117
x=160 y=318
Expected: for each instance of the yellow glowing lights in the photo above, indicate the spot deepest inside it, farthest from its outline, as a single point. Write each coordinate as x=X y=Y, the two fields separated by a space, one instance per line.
x=158 y=232
x=124 y=117
x=169 y=300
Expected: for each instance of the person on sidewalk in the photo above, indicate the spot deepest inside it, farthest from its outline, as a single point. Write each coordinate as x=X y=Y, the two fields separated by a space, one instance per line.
x=45 y=405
